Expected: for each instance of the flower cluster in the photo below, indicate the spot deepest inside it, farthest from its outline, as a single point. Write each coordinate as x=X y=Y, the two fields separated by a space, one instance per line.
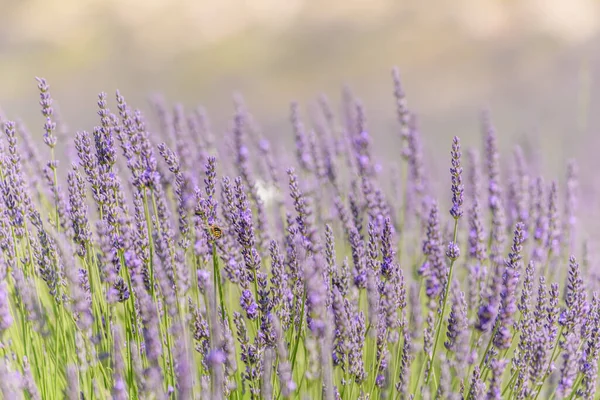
x=176 y=265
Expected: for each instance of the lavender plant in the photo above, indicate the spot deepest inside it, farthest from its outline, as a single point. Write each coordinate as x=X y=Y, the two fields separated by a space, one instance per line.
x=179 y=266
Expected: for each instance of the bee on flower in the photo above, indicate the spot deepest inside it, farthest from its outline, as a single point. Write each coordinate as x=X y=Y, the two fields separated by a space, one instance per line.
x=215 y=231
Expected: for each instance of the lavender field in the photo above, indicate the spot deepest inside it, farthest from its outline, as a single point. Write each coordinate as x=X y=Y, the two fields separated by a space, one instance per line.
x=144 y=260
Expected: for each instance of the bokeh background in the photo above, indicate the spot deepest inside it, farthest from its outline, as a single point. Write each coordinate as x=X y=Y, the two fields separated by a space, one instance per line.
x=532 y=63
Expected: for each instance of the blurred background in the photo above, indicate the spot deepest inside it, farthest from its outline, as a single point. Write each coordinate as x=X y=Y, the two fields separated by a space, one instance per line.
x=532 y=63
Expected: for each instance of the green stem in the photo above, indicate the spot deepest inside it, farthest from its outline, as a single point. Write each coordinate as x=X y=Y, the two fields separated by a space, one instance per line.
x=377 y=368
x=217 y=280
x=55 y=189
x=575 y=387
x=150 y=242
x=487 y=350
x=398 y=357
x=446 y=294
x=298 y=337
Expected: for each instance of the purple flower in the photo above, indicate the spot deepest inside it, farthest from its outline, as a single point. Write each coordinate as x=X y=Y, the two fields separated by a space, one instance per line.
x=316 y=295
x=303 y=155
x=215 y=358
x=433 y=250
x=569 y=369
x=539 y=218
x=477 y=388
x=508 y=294
x=498 y=234
x=6 y=319
x=404 y=370
x=477 y=246
x=457 y=321
x=342 y=338
x=47 y=111
x=358 y=258
x=553 y=239
x=402 y=112
x=13 y=188
x=173 y=162
x=457 y=186
x=387 y=254
x=248 y=304
x=250 y=355
x=303 y=209
x=418 y=179
x=357 y=337
x=288 y=386
x=244 y=227
x=575 y=298
x=210 y=184
x=119 y=390
x=591 y=351
x=518 y=192
x=495 y=390
x=453 y=251
x=78 y=211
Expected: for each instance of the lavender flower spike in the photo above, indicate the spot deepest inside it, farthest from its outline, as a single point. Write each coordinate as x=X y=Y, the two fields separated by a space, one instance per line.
x=457 y=186
x=6 y=318
x=47 y=111
x=510 y=279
